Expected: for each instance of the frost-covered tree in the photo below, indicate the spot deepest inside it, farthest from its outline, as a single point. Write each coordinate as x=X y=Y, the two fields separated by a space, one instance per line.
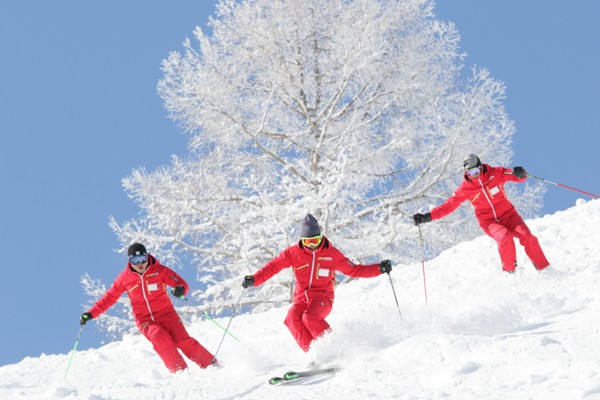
x=358 y=111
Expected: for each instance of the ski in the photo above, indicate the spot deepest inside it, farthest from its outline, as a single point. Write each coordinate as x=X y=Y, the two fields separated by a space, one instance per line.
x=294 y=376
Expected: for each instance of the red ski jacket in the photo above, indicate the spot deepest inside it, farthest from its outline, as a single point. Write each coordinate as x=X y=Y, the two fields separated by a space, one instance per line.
x=314 y=271
x=486 y=194
x=147 y=292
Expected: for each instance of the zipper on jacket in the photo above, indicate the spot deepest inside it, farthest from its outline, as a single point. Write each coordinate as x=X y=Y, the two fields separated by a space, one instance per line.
x=312 y=271
x=144 y=293
x=488 y=199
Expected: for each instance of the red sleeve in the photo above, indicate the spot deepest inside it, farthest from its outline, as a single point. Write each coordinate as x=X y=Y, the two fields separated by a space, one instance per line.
x=449 y=205
x=171 y=278
x=283 y=260
x=109 y=299
x=347 y=267
x=507 y=175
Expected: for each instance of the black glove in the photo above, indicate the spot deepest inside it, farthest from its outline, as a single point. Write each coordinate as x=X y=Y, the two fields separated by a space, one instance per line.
x=85 y=317
x=519 y=172
x=178 y=291
x=248 y=281
x=422 y=218
x=385 y=267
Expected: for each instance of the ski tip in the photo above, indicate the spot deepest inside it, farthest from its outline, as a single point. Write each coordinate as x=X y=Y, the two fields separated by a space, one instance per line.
x=276 y=380
x=290 y=375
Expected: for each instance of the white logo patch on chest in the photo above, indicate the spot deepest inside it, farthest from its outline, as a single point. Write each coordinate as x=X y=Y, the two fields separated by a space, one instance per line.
x=152 y=287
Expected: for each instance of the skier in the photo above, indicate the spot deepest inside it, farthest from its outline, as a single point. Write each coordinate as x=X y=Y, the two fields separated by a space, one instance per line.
x=314 y=261
x=145 y=281
x=484 y=187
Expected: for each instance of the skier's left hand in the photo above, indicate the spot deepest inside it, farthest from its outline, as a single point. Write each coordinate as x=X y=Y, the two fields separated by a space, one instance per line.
x=519 y=172
x=178 y=291
x=385 y=267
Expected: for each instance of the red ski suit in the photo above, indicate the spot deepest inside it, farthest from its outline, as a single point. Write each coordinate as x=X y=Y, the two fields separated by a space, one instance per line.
x=154 y=313
x=313 y=294
x=496 y=215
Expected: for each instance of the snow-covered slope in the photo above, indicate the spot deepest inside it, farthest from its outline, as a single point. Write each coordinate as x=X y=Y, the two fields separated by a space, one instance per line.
x=483 y=335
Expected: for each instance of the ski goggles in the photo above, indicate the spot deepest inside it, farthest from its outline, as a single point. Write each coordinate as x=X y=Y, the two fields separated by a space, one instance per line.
x=311 y=240
x=473 y=171
x=137 y=260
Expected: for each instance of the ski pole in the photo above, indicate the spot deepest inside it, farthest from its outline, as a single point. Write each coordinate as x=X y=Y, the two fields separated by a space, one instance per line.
x=207 y=315
x=422 y=261
x=228 y=324
x=73 y=351
x=564 y=186
x=395 y=297
x=204 y=313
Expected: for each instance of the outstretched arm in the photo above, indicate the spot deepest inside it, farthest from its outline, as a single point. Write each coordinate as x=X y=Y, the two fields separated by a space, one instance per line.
x=107 y=301
x=347 y=267
x=449 y=205
x=283 y=260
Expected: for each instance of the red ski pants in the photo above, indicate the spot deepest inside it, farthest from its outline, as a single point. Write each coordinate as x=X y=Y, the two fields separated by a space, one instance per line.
x=167 y=334
x=504 y=233
x=306 y=321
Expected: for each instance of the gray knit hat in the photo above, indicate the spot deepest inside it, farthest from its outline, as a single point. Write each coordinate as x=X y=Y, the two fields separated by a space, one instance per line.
x=309 y=227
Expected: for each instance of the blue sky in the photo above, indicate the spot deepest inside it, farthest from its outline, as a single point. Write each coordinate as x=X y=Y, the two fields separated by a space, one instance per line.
x=79 y=111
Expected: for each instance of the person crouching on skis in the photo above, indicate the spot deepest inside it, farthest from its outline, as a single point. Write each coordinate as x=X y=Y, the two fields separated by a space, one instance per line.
x=145 y=280
x=483 y=185
x=314 y=261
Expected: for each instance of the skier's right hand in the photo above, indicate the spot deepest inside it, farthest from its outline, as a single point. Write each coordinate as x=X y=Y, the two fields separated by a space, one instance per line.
x=248 y=281
x=85 y=317
x=422 y=218
x=385 y=267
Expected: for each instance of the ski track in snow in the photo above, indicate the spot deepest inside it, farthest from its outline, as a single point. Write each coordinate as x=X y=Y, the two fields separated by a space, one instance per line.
x=483 y=335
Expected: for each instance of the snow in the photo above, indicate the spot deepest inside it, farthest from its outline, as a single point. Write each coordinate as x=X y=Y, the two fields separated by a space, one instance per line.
x=483 y=334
